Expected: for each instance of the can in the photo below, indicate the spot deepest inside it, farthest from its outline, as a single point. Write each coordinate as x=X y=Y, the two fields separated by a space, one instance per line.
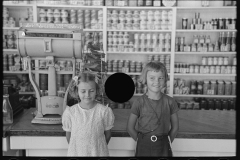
x=210 y=61
x=215 y=60
x=234 y=70
x=204 y=60
x=225 y=61
x=184 y=23
x=220 y=60
x=229 y=70
x=196 y=69
x=228 y=88
x=207 y=69
x=212 y=69
x=202 y=69
x=234 y=61
x=223 y=70
x=218 y=70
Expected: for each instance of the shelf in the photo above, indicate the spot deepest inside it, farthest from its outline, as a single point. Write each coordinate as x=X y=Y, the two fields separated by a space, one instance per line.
x=196 y=74
x=118 y=30
x=5 y=3
x=57 y=72
x=205 y=53
x=129 y=73
x=208 y=96
x=219 y=30
x=146 y=53
x=140 y=8
x=10 y=50
x=194 y=8
x=68 y=6
x=26 y=92
x=15 y=72
x=93 y=30
x=12 y=28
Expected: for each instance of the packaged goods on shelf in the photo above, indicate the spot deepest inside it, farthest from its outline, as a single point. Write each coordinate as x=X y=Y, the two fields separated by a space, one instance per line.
x=207 y=104
x=202 y=43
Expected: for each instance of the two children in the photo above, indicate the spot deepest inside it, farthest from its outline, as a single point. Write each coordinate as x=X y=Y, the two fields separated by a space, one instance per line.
x=88 y=123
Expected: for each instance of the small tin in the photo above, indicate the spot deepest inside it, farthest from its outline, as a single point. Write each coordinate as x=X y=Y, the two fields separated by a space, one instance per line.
x=218 y=70
x=184 y=23
x=220 y=60
x=215 y=60
x=204 y=60
x=233 y=69
x=223 y=70
x=212 y=69
x=207 y=69
x=225 y=61
x=210 y=61
x=196 y=69
x=229 y=70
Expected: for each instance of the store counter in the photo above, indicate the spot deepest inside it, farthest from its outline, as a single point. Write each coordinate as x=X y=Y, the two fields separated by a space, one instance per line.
x=202 y=133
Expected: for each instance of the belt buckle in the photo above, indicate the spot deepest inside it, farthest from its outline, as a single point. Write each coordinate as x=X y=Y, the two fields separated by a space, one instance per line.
x=153 y=138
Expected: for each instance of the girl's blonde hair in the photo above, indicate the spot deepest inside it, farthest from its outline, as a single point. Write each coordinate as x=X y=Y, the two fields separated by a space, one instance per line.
x=153 y=66
x=82 y=77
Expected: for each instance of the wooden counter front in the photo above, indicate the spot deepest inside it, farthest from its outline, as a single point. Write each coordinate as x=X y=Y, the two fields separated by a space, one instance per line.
x=200 y=124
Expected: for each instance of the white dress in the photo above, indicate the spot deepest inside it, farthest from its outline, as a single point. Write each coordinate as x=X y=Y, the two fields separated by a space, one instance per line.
x=87 y=129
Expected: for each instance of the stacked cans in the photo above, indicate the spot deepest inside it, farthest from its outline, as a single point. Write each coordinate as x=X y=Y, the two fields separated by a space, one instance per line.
x=8 y=21
x=80 y=17
x=87 y=19
x=129 y=66
x=9 y=39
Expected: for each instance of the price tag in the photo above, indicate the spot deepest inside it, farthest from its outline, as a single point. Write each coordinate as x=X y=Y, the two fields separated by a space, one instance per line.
x=121 y=3
x=124 y=69
x=210 y=92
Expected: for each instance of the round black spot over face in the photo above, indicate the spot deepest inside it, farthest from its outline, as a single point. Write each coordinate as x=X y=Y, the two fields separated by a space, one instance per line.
x=119 y=87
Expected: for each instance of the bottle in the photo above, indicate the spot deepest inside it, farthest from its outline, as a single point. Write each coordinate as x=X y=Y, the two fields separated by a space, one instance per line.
x=233 y=42
x=228 y=45
x=7 y=110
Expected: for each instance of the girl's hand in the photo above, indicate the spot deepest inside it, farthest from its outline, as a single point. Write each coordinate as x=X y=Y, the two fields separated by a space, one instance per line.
x=131 y=126
x=108 y=135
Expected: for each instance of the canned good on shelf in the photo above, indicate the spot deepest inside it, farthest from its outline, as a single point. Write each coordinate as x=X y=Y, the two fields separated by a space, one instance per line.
x=228 y=88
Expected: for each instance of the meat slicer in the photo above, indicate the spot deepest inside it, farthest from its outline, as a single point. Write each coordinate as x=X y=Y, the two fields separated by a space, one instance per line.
x=49 y=44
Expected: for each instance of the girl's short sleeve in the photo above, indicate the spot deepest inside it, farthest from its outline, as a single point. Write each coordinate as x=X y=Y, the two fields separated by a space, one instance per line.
x=108 y=119
x=173 y=107
x=66 y=120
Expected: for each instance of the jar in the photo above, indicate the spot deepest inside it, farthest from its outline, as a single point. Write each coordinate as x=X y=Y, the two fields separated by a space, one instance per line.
x=202 y=69
x=218 y=70
x=204 y=60
x=234 y=88
x=56 y=13
x=193 y=87
x=42 y=13
x=232 y=104
x=210 y=61
x=220 y=60
x=215 y=60
x=182 y=105
x=196 y=106
x=218 y=105
x=234 y=61
x=221 y=87
x=200 y=87
x=228 y=88
x=225 y=104
x=225 y=61
x=49 y=13
x=223 y=70
x=213 y=87
x=211 y=104
x=229 y=70
x=206 y=86
x=189 y=105
x=212 y=70
x=207 y=70
x=191 y=69
x=203 y=104
x=233 y=69
x=196 y=70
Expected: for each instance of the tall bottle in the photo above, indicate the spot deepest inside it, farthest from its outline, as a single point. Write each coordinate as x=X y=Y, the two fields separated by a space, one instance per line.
x=7 y=110
x=233 y=42
x=228 y=45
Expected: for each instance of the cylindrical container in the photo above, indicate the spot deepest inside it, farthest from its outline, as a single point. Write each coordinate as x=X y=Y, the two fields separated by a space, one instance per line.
x=228 y=88
x=206 y=86
x=184 y=23
x=224 y=104
x=218 y=105
x=204 y=60
x=215 y=60
x=212 y=69
x=211 y=104
x=213 y=87
x=220 y=60
x=229 y=70
x=218 y=70
x=234 y=70
x=221 y=87
x=234 y=88
x=223 y=70
x=203 y=104
x=196 y=70
x=210 y=61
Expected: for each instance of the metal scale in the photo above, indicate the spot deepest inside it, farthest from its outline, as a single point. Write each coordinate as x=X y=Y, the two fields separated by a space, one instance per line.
x=35 y=43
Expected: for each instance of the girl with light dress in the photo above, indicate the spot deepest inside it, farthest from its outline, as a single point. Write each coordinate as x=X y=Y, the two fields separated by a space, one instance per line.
x=156 y=114
x=87 y=123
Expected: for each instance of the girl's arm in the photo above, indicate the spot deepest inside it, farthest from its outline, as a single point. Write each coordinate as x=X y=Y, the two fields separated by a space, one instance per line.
x=68 y=136
x=174 y=126
x=107 y=135
x=131 y=126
